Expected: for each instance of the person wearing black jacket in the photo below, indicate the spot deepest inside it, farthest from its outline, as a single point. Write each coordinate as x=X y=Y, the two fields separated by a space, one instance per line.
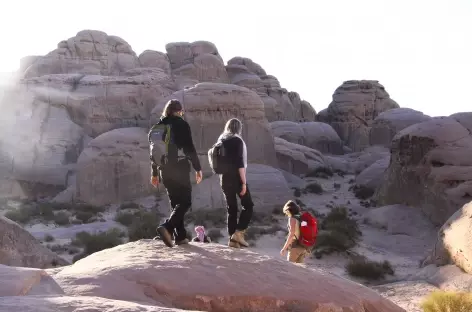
x=233 y=183
x=174 y=172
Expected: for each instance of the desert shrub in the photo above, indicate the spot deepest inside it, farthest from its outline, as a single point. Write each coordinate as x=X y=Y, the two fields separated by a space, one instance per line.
x=208 y=217
x=321 y=172
x=48 y=238
x=96 y=242
x=362 y=192
x=365 y=268
x=314 y=187
x=143 y=226
x=262 y=218
x=215 y=235
x=125 y=218
x=447 y=301
x=297 y=192
x=85 y=216
x=61 y=218
x=21 y=215
x=338 y=232
x=254 y=232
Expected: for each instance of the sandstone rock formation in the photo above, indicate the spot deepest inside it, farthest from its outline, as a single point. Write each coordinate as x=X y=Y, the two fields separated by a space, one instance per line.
x=355 y=163
x=390 y=122
x=114 y=167
x=89 y=52
x=430 y=168
x=372 y=176
x=454 y=241
x=217 y=278
x=209 y=105
x=195 y=62
x=20 y=248
x=297 y=159
x=279 y=104
x=354 y=107
x=316 y=135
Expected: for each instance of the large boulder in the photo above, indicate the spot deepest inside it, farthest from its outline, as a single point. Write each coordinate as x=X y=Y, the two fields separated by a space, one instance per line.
x=430 y=168
x=103 y=103
x=196 y=62
x=371 y=177
x=226 y=280
x=316 y=135
x=90 y=52
x=297 y=159
x=355 y=105
x=155 y=59
x=39 y=145
x=279 y=104
x=114 y=167
x=355 y=163
x=454 y=241
x=390 y=122
x=21 y=281
x=208 y=106
x=19 y=248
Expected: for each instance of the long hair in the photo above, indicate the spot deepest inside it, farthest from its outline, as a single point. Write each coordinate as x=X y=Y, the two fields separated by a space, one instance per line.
x=172 y=106
x=291 y=207
x=233 y=126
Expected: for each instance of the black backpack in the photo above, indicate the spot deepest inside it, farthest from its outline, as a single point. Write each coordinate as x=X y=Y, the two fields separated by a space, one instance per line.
x=218 y=159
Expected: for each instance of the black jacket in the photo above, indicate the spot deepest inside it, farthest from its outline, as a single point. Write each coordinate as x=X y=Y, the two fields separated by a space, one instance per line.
x=234 y=148
x=182 y=138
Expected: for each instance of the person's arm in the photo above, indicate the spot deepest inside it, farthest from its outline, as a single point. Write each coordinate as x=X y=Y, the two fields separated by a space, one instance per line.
x=291 y=234
x=189 y=148
x=239 y=158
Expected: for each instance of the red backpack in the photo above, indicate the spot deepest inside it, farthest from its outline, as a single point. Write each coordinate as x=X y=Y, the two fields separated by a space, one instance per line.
x=308 y=231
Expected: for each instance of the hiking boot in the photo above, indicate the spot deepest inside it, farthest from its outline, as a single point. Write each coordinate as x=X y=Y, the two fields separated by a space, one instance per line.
x=165 y=236
x=233 y=244
x=182 y=242
x=238 y=236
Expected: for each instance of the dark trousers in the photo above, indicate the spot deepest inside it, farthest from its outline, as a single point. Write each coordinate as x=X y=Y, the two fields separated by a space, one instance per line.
x=176 y=180
x=231 y=186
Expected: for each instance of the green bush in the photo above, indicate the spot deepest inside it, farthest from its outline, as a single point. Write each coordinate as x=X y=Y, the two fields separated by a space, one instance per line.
x=61 y=218
x=338 y=232
x=125 y=218
x=448 y=301
x=96 y=242
x=143 y=226
x=363 y=192
x=321 y=172
x=85 y=216
x=48 y=238
x=314 y=187
x=372 y=270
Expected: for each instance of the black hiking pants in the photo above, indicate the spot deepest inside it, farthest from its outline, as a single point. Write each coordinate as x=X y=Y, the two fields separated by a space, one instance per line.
x=176 y=180
x=231 y=185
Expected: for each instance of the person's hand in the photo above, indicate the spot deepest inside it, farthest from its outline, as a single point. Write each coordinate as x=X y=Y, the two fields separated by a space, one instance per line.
x=283 y=252
x=154 y=181
x=243 y=190
x=198 y=176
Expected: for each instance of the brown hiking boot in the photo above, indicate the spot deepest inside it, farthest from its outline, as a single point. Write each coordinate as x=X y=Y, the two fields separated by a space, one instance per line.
x=233 y=244
x=238 y=236
x=165 y=236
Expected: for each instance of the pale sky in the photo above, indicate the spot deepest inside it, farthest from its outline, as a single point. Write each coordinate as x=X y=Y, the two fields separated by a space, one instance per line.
x=420 y=50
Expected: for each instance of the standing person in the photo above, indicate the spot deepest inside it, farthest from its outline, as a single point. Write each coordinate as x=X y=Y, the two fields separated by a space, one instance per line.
x=302 y=232
x=175 y=169
x=233 y=183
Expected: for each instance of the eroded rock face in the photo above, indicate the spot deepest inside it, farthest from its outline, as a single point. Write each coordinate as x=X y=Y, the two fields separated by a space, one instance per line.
x=371 y=177
x=390 y=122
x=430 y=168
x=227 y=280
x=208 y=106
x=195 y=62
x=103 y=103
x=454 y=243
x=114 y=167
x=155 y=59
x=279 y=104
x=19 y=248
x=355 y=163
x=355 y=105
x=90 y=52
x=297 y=159
x=39 y=143
x=316 y=135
